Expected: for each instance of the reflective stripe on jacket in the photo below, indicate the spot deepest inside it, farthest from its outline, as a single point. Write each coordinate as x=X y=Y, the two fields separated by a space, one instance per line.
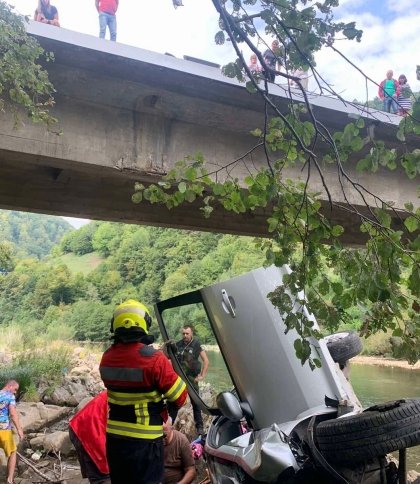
x=138 y=378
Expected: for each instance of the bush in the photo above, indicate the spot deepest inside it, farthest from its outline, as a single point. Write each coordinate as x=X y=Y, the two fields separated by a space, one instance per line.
x=29 y=368
x=22 y=374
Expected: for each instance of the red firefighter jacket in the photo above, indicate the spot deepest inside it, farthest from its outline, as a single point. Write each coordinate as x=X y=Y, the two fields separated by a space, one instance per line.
x=138 y=378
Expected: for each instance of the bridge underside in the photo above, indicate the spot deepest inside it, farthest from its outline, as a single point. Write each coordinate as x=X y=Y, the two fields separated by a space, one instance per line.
x=128 y=115
x=44 y=188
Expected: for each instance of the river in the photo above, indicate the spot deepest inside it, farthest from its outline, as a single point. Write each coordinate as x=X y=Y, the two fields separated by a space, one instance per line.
x=372 y=384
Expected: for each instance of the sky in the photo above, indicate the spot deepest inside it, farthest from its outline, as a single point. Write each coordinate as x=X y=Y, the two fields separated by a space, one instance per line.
x=390 y=39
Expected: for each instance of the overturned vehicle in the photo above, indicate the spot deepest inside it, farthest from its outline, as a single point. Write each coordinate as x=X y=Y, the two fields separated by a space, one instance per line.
x=275 y=420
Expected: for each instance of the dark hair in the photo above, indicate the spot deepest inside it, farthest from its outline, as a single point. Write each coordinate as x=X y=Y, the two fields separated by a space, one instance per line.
x=402 y=76
x=189 y=326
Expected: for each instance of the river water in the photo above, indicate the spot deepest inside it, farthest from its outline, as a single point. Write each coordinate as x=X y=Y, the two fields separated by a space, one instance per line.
x=372 y=384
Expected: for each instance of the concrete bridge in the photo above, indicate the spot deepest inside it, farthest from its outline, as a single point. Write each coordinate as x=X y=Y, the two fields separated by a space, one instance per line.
x=128 y=114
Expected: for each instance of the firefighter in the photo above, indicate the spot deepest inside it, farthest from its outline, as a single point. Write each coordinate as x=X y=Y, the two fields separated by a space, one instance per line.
x=138 y=378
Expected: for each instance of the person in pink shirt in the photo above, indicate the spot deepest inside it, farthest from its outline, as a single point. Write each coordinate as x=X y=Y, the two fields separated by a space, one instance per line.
x=107 y=10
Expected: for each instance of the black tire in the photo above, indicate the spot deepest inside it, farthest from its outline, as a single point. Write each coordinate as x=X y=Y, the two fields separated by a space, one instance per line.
x=373 y=433
x=343 y=346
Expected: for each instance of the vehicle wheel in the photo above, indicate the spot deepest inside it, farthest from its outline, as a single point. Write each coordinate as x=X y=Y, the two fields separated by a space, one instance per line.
x=373 y=433
x=343 y=346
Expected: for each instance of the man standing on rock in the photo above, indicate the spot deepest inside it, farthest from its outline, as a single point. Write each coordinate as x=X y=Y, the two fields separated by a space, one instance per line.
x=137 y=378
x=189 y=352
x=8 y=412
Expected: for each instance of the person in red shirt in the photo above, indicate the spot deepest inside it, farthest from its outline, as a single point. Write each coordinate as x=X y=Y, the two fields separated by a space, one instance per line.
x=138 y=379
x=107 y=10
x=87 y=433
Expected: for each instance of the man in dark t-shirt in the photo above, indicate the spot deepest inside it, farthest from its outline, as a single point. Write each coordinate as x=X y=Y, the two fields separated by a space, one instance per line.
x=178 y=459
x=271 y=59
x=190 y=352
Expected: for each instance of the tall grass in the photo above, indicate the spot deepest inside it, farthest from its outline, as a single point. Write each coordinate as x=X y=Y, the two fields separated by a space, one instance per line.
x=17 y=337
x=33 y=354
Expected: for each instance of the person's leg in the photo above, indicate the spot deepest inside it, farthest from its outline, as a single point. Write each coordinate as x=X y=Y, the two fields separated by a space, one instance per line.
x=88 y=468
x=11 y=466
x=394 y=105
x=7 y=443
x=198 y=419
x=102 y=25
x=135 y=461
x=112 y=25
x=155 y=463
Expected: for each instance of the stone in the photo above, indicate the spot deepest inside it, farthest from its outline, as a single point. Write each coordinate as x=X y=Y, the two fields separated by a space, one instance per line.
x=413 y=477
x=82 y=403
x=36 y=456
x=35 y=416
x=54 y=442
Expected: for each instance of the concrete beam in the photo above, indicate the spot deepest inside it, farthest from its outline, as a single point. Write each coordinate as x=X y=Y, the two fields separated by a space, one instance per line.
x=129 y=114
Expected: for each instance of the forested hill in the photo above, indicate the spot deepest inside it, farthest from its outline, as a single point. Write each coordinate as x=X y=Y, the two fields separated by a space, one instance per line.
x=31 y=234
x=72 y=293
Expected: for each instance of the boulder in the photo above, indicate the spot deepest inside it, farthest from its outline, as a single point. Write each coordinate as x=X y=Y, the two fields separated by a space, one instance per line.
x=413 y=477
x=36 y=416
x=82 y=403
x=58 y=442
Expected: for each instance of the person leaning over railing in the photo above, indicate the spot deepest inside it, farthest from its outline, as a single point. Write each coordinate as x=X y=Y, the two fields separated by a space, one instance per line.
x=46 y=13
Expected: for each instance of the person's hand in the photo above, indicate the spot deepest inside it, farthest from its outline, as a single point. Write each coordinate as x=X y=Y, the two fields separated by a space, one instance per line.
x=21 y=434
x=199 y=378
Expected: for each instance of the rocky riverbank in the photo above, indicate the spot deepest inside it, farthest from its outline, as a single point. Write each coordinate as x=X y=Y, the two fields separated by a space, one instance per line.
x=382 y=361
x=47 y=453
x=47 y=450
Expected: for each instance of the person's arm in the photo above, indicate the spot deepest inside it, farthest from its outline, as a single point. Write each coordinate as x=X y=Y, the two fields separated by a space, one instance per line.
x=97 y=5
x=15 y=419
x=189 y=475
x=169 y=383
x=205 y=366
x=381 y=90
x=397 y=88
x=55 y=20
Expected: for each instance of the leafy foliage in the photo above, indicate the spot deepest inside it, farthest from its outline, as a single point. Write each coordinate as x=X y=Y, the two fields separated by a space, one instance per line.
x=144 y=263
x=30 y=234
x=23 y=81
x=382 y=278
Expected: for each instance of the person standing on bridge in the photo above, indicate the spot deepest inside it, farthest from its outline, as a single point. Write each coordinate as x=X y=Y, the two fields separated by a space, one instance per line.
x=389 y=90
x=107 y=10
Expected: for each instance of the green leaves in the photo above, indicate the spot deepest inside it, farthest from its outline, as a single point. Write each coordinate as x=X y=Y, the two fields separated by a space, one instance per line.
x=412 y=223
x=23 y=82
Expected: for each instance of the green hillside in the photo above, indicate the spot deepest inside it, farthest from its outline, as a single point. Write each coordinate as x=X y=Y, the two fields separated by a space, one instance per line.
x=72 y=292
x=79 y=263
x=31 y=234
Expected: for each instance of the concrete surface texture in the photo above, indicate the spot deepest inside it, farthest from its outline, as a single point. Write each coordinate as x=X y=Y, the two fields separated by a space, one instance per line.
x=128 y=114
